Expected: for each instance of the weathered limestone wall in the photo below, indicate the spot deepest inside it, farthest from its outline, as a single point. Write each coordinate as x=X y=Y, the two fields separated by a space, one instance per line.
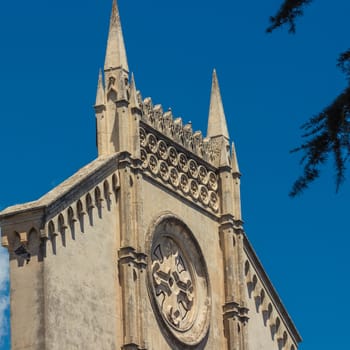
x=205 y=229
x=27 y=308
x=81 y=284
x=259 y=333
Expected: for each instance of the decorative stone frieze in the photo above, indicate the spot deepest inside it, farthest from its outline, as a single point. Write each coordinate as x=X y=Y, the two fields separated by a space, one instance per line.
x=81 y=210
x=182 y=173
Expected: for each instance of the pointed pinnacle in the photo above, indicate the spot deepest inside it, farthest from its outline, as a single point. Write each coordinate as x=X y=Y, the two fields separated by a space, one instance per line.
x=134 y=103
x=217 y=125
x=115 y=54
x=234 y=161
x=225 y=154
x=100 y=95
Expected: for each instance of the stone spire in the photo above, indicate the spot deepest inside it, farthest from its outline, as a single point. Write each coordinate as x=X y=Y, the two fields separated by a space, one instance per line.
x=101 y=123
x=100 y=95
x=234 y=161
x=134 y=103
x=115 y=54
x=217 y=121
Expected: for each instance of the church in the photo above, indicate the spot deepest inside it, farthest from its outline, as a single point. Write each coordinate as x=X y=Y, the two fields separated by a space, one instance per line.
x=143 y=248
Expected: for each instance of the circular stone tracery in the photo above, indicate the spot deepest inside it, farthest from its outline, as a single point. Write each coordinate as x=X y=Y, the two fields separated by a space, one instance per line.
x=173 y=284
x=178 y=281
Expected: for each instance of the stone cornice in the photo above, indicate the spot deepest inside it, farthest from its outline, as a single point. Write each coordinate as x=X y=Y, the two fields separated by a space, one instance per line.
x=95 y=194
x=69 y=190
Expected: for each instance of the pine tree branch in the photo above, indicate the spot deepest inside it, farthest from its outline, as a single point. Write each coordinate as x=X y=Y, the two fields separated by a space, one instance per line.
x=288 y=12
x=344 y=63
x=330 y=135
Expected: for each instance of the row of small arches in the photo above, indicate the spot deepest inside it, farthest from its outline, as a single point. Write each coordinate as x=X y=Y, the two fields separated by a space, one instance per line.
x=29 y=242
x=84 y=206
x=263 y=305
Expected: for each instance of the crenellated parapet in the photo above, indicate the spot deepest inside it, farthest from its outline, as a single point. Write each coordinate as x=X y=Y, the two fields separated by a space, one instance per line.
x=205 y=148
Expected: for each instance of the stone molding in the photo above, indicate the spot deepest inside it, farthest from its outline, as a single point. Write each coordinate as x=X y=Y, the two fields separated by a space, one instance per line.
x=70 y=189
x=129 y=255
x=268 y=303
x=234 y=310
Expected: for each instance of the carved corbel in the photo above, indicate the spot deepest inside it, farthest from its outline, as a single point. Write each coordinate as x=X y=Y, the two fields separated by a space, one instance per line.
x=52 y=229
x=282 y=338
x=115 y=182
x=89 y=202
x=231 y=310
x=5 y=241
x=275 y=326
x=129 y=255
x=235 y=311
x=71 y=218
x=98 y=197
x=44 y=233
x=23 y=237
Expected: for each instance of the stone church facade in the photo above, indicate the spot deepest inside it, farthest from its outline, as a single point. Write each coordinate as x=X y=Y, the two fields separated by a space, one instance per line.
x=143 y=248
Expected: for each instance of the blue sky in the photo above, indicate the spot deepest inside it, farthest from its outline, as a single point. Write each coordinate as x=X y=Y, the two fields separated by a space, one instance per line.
x=270 y=84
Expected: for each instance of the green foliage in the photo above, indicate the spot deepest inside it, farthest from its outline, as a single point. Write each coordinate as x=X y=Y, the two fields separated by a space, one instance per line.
x=328 y=133
x=288 y=12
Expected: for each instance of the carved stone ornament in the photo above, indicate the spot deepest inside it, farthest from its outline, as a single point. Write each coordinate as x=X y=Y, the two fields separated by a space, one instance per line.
x=206 y=148
x=173 y=167
x=178 y=283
